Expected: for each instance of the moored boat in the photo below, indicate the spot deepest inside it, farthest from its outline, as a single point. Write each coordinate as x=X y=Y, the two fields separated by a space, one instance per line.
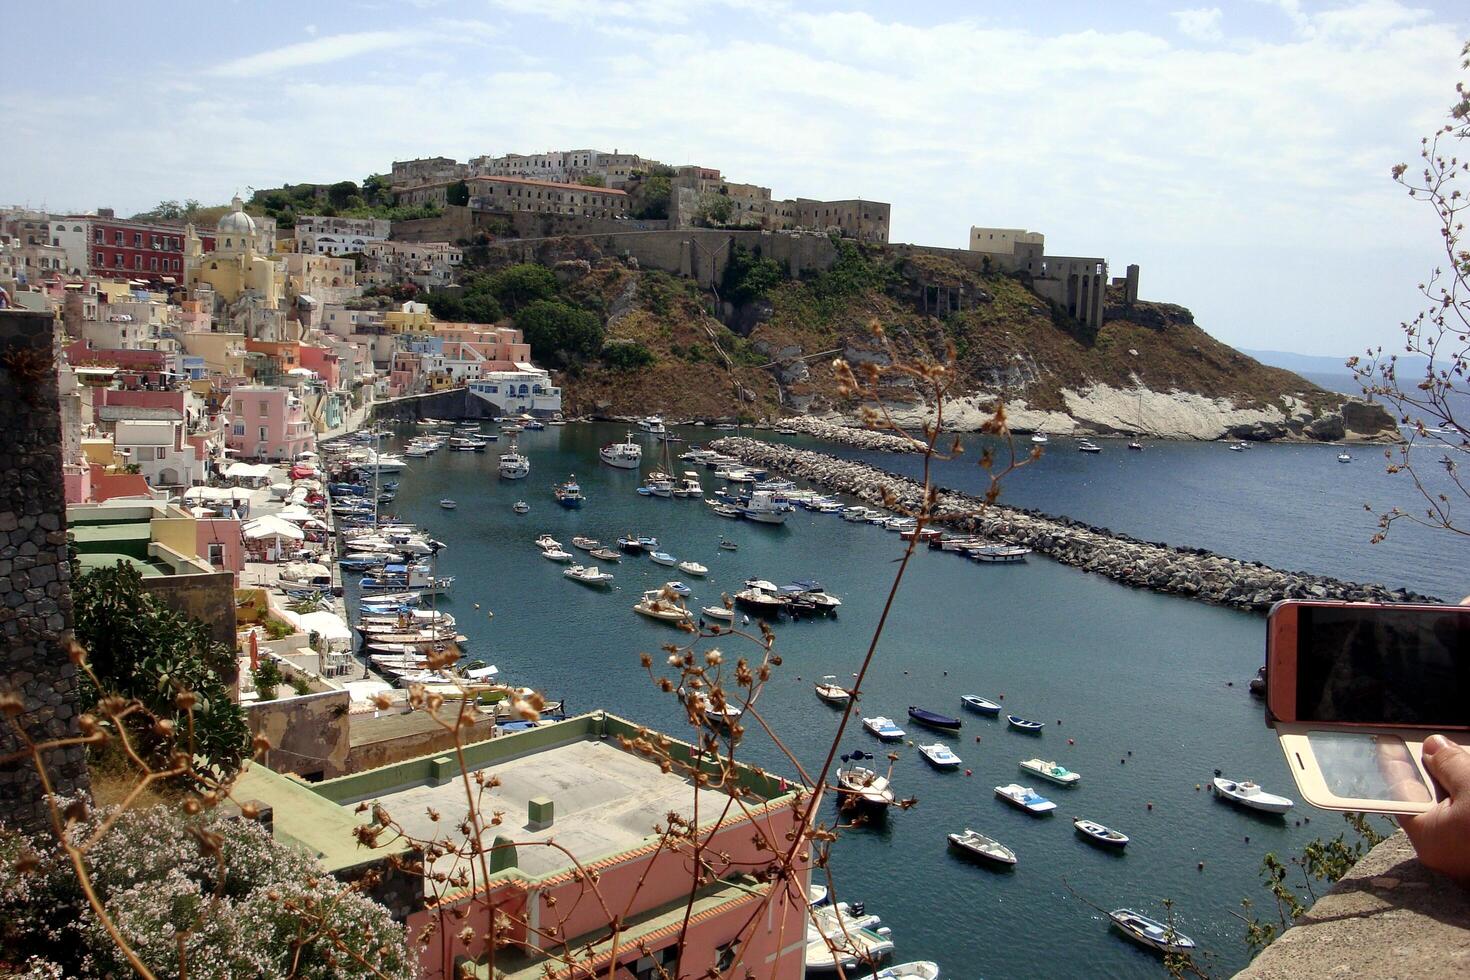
x=718 y=612
x=588 y=575
x=693 y=568
x=1098 y=834
x=1247 y=794
x=1022 y=725
x=663 y=558
x=624 y=455
x=569 y=494
x=1050 y=770
x=933 y=719
x=655 y=605
x=1150 y=933
x=917 y=970
x=864 y=787
x=1025 y=798
x=884 y=728
x=939 y=756
x=974 y=843
x=976 y=703
x=830 y=691
x=521 y=507
x=605 y=554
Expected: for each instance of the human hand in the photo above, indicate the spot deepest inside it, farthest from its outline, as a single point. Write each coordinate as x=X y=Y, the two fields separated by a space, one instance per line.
x=1441 y=835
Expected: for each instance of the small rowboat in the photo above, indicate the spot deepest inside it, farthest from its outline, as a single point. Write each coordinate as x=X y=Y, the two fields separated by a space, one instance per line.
x=1022 y=725
x=605 y=554
x=933 y=719
x=718 y=612
x=1026 y=798
x=864 y=787
x=917 y=970
x=663 y=558
x=1050 y=770
x=583 y=543
x=1150 y=933
x=727 y=545
x=830 y=691
x=1247 y=794
x=883 y=727
x=986 y=848
x=556 y=554
x=980 y=705
x=1098 y=834
x=939 y=756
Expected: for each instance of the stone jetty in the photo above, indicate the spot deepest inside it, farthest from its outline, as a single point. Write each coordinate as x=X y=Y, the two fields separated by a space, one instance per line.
x=1191 y=572
x=852 y=435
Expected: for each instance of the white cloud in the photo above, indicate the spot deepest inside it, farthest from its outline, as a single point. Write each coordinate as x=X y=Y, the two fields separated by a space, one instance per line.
x=320 y=51
x=1200 y=23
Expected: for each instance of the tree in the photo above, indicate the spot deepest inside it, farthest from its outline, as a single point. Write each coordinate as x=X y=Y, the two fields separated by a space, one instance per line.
x=749 y=276
x=626 y=355
x=515 y=286
x=593 y=180
x=715 y=210
x=558 y=332
x=139 y=648
x=655 y=193
x=457 y=193
x=375 y=190
x=1429 y=395
x=341 y=192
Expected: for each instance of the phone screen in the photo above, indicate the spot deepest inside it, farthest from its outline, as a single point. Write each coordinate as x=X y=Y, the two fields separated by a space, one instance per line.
x=1383 y=666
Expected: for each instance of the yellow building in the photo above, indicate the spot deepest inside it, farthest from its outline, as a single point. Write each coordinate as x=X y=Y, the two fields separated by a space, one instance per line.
x=234 y=269
x=409 y=318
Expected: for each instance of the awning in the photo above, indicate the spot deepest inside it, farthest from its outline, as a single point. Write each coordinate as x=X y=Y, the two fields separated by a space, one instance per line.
x=328 y=626
x=271 y=526
x=219 y=494
x=247 y=471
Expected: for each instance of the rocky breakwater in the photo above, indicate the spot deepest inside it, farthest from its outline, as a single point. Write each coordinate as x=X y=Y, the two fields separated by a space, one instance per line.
x=1191 y=572
x=851 y=435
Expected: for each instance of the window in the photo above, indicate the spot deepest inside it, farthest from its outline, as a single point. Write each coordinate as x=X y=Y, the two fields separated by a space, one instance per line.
x=153 y=263
x=138 y=239
x=101 y=258
x=161 y=452
x=117 y=238
x=138 y=262
x=99 y=237
x=217 y=555
x=239 y=428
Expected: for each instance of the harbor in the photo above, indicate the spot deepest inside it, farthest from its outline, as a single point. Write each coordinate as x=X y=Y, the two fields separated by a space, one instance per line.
x=1104 y=670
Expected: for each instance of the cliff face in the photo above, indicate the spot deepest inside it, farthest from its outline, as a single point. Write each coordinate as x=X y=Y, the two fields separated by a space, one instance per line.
x=1148 y=370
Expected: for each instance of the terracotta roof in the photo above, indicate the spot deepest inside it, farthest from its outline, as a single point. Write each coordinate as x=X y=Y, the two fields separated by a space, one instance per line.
x=552 y=184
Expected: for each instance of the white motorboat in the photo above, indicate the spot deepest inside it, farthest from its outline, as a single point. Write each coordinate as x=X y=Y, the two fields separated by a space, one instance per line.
x=987 y=848
x=939 y=756
x=1050 y=770
x=1088 y=446
x=718 y=612
x=514 y=465
x=546 y=541
x=764 y=508
x=588 y=575
x=816 y=895
x=655 y=605
x=704 y=706
x=1236 y=447
x=1025 y=798
x=626 y=455
x=917 y=970
x=688 y=486
x=864 y=787
x=521 y=507
x=662 y=558
x=830 y=691
x=832 y=941
x=1247 y=794
x=1344 y=458
x=556 y=554
x=652 y=424
x=693 y=568
x=1151 y=933
x=447 y=504
x=998 y=553
x=1098 y=834
x=1040 y=438
x=884 y=728
x=583 y=543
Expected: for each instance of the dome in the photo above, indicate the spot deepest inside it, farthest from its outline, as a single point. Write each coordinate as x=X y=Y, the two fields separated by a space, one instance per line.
x=237 y=222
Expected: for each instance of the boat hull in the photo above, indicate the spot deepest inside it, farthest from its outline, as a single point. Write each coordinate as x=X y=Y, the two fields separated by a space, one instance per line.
x=938 y=722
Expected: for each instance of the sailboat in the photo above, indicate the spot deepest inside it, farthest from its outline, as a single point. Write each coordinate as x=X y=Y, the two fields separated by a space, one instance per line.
x=513 y=464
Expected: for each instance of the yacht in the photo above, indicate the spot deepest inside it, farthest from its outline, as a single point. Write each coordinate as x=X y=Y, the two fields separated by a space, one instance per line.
x=653 y=424
x=688 y=486
x=1040 y=438
x=626 y=455
x=569 y=494
x=1088 y=446
x=764 y=508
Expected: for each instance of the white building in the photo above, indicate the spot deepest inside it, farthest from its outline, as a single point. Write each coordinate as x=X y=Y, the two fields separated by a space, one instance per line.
x=158 y=448
x=527 y=389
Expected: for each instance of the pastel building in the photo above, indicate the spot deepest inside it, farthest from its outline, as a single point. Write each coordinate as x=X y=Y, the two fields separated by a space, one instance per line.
x=267 y=423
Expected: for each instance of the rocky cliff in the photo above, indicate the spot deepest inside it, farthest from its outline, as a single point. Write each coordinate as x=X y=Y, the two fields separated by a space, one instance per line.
x=761 y=345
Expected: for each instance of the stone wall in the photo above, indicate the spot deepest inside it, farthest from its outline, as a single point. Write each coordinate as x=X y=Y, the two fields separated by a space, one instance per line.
x=1190 y=572
x=35 y=595
x=309 y=733
x=205 y=596
x=387 y=751
x=452 y=403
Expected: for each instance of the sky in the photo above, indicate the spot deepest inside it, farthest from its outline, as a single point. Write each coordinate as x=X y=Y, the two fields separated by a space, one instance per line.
x=1238 y=152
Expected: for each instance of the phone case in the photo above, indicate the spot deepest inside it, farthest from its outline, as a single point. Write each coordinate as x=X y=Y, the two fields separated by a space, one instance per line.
x=1370 y=769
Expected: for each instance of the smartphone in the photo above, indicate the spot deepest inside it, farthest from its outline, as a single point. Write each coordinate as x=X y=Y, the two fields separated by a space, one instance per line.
x=1353 y=689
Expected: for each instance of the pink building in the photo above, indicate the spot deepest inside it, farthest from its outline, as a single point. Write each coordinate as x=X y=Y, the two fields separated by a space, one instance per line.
x=325 y=362
x=267 y=423
x=218 y=540
x=83 y=353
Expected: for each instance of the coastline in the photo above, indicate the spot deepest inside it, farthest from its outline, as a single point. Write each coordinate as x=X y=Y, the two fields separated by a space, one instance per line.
x=1189 y=572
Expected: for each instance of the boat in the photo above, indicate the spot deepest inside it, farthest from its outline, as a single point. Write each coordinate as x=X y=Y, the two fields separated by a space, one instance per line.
x=547 y=541
x=1258 y=682
x=976 y=703
x=863 y=787
x=916 y=970
x=447 y=504
x=693 y=568
x=835 y=943
x=1150 y=933
x=652 y=423
x=1040 y=438
x=1247 y=794
x=588 y=575
x=760 y=602
x=1050 y=770
x=986 y=848
x=605 y=554
x=718 y=612
x=633 y=544
x=724 y=510
x=1136 y=446
x=1088 y=446
x=727 y=545
x=764 y=508
x=998 y=553
x=884 y=728
x=626 y=455
x=677 y=587
x=1025 y=798
x=655 y=605
x=939 y=756
x=521 y=507
x=832 y=692
x=1344 y=458
x=459 y=444
x=816 y=895
x=1098 y=834
x=1022 y=725
x=657 y=485
x=662 y=558
x=514 y=465
x=1236 y=447
x=569 y=494
x=583 y=543
x=688 y=486
x=933 y=719
x=707 y=711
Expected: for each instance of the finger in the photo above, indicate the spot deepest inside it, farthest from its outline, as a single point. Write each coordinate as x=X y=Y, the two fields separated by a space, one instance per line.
x=1448 y=764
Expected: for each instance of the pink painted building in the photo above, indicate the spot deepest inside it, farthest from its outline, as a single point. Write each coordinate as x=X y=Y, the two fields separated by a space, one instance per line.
x=325 y=362
x=267 y=423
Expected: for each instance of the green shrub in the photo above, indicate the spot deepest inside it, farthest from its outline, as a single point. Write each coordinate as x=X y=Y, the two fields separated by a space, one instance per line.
x=749 y=276
x=559 y=332
x=267 y=678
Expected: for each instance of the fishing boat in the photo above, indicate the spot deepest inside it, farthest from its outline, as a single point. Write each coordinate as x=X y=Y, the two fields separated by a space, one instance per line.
x=662 y=558
x=980 y=705
x=583 y=543
x=998 y=554
x=1025 y=798
x=1088 y=446
x=1050 y=770
x=727 y=545
x=569 y=494
x=514 y=465
x=718 y=612
x=917 y=970
x=626 y=455
x=693 y=568
x=447 y=504
x=677 y=587
x=764 y=508
x=605 y=554
x=1040 y=438
x=1247 y=794
x=588 y=575
x=1022 y=725
x=832 y=692
x=655 y=606
x=884 y=728
x=933 y=719
x=1098 y=834
x=556 y=554
x=1344 y=458
x=521 y=507
x=939 y=756
x=986 y=848
x=864 y=787
x=1150 y=933
x=688 y=486
x=547 y=541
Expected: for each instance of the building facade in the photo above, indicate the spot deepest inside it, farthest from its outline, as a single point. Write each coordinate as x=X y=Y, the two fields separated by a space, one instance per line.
x=546 y=197
x=267 y=423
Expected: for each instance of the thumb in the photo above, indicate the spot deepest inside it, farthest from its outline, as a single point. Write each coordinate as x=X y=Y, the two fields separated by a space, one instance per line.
x=1449 y=764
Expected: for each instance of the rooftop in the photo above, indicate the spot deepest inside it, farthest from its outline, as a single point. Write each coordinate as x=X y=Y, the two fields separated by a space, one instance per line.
x=533 y=182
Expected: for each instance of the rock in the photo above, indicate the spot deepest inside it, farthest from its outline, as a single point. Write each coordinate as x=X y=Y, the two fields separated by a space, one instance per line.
x=1366 y=418
x=1327 y=428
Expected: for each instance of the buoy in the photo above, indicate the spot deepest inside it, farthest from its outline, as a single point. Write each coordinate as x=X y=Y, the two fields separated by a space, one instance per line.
x=1306 y=819
x=1122 y=762
x=1002 y=697
x=946 y=673
x=1150 y=805
x=977 y=738
x=1229 y=683
x=1202 y=866
x=1130 y=751
x=1071 y=741
x=1196 y=787
x=1059 y=722
x=1247 y=838
x=968 y=773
